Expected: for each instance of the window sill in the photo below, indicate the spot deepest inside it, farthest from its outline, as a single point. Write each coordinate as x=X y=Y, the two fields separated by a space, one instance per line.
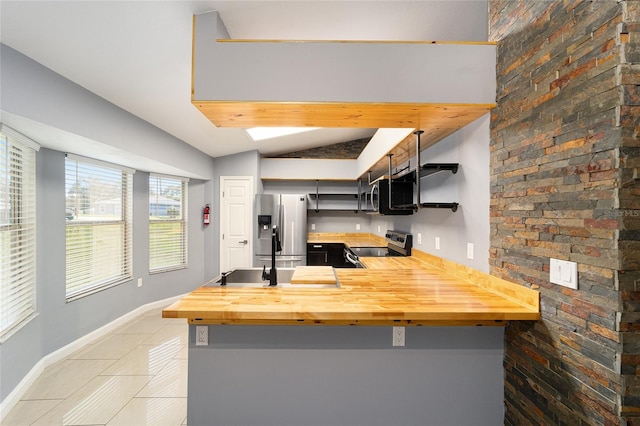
x=13 y=330
x=79 y=294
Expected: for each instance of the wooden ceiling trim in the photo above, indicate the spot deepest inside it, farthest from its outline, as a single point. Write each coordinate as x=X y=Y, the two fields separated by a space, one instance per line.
x=349 y=115
x=436 y=120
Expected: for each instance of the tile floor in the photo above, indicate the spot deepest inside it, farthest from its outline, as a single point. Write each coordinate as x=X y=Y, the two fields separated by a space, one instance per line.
x=133 y=376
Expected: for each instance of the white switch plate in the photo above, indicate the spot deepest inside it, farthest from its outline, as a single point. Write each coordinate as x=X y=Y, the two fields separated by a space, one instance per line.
x=470 y=251
x=202 y=335
x=437 y=243
x=564 y=273
x=419 y=238
x=378 y=228
x=357 y=226
x=313 y=226
x=139 y=282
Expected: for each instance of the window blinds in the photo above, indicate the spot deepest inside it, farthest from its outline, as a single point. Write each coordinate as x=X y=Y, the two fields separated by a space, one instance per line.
x=167 y=223
x=98 y=225
x=17 y=230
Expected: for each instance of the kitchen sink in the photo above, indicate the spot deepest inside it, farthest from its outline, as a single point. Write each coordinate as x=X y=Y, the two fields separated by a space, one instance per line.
x=252 y=278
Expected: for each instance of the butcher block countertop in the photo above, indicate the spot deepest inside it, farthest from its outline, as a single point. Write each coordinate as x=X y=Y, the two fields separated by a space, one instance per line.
x=314 y=275
x=351 y=240
x=418 y=290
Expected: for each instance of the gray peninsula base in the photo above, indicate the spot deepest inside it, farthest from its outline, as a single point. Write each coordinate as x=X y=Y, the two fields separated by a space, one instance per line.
x=345 y=376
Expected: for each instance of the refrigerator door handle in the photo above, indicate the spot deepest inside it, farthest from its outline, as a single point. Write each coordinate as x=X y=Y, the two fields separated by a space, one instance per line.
x=282 y=215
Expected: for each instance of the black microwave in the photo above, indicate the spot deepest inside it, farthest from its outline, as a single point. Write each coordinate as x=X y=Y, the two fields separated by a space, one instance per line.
x=401 y=197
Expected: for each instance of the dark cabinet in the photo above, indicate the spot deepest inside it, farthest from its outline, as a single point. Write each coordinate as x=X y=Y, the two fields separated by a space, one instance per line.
x=317 y=255
x=326 y=254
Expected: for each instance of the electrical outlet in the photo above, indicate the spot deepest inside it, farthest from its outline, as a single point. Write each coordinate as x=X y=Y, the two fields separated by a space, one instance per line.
x=398 y=336
x=437 y=243
x=313 y=226
x=202 y=335
x=378 y=228
x=470 y=251
x=419 y=238
x=139 y=282
x=357 y=226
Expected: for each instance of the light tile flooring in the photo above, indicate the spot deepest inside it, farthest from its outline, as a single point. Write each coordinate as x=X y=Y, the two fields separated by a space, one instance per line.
x=133 y=376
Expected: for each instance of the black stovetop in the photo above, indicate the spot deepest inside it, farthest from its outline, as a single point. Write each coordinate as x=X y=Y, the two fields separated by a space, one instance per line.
x=398 y=244
x=373 y=252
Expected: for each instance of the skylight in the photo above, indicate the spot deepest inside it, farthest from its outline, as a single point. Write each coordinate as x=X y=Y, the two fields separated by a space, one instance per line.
x=261 y=133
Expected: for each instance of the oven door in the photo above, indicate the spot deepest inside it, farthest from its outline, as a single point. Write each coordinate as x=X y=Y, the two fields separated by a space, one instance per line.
x=352 y=259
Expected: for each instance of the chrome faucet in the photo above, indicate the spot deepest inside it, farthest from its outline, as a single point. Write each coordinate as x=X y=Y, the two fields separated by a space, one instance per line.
x=272 y=275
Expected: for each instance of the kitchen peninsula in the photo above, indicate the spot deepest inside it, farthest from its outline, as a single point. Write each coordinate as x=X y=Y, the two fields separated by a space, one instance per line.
x=291 y=356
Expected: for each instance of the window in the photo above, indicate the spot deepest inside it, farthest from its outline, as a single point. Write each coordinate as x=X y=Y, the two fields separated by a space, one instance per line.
x=99 y=217
x=17 y=230
x=167 y=223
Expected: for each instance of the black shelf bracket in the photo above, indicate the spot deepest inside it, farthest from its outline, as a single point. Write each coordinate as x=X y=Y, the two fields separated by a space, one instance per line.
x=452 y=206
x=433 y=168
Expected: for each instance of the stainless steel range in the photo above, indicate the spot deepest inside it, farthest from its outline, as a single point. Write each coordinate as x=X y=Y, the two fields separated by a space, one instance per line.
x=398 y=244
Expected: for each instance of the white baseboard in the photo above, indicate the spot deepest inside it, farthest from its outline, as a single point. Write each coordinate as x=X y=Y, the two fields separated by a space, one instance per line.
x=29 y=379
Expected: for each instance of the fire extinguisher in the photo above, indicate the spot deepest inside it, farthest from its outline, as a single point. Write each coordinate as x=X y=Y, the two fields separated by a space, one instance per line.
x=205 y=218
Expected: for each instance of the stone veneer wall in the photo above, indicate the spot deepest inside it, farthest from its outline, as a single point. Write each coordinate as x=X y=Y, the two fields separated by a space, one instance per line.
x=565 y=165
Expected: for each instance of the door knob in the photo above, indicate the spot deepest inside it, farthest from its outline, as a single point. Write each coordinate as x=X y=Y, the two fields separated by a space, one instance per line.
x=244 y=242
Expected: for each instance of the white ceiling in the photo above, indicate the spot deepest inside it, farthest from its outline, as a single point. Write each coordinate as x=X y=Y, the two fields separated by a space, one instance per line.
x=137 y=54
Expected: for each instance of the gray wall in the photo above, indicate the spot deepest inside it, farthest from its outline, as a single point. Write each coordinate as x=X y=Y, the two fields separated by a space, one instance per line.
x=307 y=72
x=469 y=146
x=32 y=91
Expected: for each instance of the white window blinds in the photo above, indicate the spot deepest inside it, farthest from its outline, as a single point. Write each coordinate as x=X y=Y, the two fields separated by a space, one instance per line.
x=17 y=230
x=98 y=232
x=167 y=223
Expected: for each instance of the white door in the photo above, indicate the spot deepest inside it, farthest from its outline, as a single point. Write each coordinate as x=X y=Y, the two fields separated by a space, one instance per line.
x=236 y=211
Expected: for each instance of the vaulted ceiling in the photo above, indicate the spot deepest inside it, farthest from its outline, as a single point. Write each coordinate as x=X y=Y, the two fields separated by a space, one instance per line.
x=137 y=54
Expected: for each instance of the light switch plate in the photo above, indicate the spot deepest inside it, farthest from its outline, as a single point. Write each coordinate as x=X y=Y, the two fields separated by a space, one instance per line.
x=437 y=243
x=470 y=251
x=564 y=273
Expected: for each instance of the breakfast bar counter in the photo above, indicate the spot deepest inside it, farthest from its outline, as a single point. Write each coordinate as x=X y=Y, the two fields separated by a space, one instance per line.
x=291 y=356
x=413 y=290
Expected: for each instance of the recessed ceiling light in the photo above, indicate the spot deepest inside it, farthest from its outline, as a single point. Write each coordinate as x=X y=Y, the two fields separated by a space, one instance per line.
x=261 y=133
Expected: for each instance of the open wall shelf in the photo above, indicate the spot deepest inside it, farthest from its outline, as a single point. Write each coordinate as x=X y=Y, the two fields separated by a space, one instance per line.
x=429 y=169
x=433 y=168
x=331 y=200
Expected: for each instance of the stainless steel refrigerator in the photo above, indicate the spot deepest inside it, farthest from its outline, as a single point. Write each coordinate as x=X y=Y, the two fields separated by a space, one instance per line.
x=289 y=213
